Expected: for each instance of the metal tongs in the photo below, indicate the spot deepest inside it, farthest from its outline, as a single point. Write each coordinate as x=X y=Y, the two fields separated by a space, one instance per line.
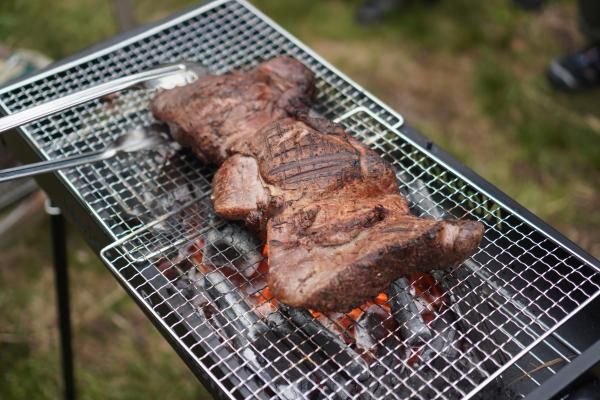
x=136 y=139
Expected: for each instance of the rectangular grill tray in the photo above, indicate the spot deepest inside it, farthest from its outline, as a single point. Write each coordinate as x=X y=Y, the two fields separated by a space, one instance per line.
x=137 y=211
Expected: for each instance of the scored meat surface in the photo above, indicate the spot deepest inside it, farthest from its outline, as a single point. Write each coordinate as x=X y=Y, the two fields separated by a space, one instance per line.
x=337 y=228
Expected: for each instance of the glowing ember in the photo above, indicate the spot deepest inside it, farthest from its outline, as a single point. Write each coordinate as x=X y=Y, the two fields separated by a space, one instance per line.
x=381 y=298
x=264 y=296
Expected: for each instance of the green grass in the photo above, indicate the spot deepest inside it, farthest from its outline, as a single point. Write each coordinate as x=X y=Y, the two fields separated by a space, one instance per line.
x=469 y=74
x=118 y=354
x=57 y=28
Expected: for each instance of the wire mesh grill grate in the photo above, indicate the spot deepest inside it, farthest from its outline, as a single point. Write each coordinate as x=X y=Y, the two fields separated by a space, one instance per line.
x=504 y=300
x=180 y=260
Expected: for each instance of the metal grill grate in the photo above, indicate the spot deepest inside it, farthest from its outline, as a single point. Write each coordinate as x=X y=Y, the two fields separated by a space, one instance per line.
x=505 y=300
x=225 y=36
x=176 y=256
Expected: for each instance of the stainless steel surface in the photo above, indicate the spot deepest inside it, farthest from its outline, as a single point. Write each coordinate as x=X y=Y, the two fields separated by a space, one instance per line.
x=505 y=304
x=136 y=139
x=163 y=77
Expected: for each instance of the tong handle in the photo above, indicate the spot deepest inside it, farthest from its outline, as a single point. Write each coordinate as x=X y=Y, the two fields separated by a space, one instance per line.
x=62 y=103
x=54 y=165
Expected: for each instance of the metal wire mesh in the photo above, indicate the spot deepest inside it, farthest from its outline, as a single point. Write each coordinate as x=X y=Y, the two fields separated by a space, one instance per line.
x=503 y=302
x=204 y=280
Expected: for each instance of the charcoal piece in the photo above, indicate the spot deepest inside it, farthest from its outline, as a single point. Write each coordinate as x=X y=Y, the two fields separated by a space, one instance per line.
x=413 y=328
x=233 y=246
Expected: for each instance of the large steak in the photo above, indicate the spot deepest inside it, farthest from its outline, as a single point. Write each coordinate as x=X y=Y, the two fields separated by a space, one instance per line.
x=338 y=229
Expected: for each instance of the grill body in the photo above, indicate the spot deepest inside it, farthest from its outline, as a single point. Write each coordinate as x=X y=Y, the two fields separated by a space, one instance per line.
x=512 y=302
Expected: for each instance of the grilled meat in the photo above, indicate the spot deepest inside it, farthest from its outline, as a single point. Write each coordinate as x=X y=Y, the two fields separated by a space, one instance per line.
x=338 y=229
x=212 y=114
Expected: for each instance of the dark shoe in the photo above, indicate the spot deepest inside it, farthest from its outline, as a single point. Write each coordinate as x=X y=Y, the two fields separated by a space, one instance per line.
x=576 y=71
x=374 y=10
x=530 y=5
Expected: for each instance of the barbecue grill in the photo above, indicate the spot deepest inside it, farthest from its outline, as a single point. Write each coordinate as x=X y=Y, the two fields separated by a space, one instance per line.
x=516 y=305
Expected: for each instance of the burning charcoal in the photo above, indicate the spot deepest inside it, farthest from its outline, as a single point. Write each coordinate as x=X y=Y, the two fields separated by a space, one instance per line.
x=336 y=351
x=370 y=329
x=462 y=296
x=385 y=383
x=233 y=245
x=199 y=300
x=254 y=340
x=420 y=195
x=273 y=328
x=362 y=334
x=237 y=320
x=168 y=270
x=450 y=325
x=306 y=322
x=318 y=365
x=338 y=324
x=227 y=299
x=335 y=358
x=445 y=342
x=277 y=322
x=413 y=328
x=186 y=288
x=375 y=333
x=179 y=264
x=195 y=276
x=289 y=392
x=339 y=367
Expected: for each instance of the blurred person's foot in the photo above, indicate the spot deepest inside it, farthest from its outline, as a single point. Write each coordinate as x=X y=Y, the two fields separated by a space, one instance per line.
x=577 y=71
x=374 y=10
x=530 y=5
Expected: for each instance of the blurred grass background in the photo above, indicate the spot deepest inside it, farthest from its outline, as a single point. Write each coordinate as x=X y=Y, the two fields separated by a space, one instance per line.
x=467 y=74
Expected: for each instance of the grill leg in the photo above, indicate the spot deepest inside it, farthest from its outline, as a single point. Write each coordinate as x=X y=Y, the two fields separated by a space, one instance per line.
x=61 y=282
